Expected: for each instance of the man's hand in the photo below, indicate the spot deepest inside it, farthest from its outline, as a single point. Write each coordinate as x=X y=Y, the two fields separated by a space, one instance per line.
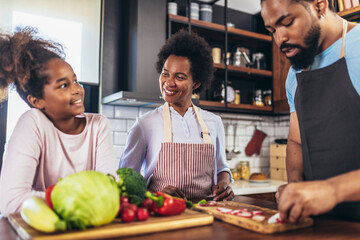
x=303 y=199
x=173 y=191
x=279 y=191
x=222 y=191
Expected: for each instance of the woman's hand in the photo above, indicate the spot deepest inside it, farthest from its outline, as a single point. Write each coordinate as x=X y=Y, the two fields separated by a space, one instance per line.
x=222 y=191
x=173 y=191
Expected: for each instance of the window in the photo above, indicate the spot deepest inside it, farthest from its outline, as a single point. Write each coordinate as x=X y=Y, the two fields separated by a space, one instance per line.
x=74 y=24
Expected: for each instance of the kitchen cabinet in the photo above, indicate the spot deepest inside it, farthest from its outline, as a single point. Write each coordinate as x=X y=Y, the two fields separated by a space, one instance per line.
x=351 y=14
x=243 y=78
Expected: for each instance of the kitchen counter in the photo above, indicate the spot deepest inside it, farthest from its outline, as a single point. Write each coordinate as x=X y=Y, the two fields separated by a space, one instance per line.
x=244 y=187
x=324 y=227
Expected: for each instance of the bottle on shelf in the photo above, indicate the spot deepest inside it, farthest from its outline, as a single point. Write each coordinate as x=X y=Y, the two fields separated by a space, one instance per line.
x=237 y=97
x=257 y=99
x=267 y=97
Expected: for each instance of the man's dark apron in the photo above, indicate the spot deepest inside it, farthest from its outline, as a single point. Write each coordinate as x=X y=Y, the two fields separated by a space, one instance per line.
x=328 y=110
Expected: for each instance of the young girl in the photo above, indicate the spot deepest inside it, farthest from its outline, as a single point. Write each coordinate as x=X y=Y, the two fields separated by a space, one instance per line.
x=55 y=138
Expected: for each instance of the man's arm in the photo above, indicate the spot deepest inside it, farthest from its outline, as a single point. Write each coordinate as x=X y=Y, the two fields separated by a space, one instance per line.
x=294 y=161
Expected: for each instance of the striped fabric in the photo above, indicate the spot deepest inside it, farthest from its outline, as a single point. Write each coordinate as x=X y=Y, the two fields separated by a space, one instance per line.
x=189 y=167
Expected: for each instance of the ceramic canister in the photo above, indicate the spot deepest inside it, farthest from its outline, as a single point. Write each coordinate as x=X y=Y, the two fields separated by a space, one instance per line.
x=172 y=8
x=194 y=11
x=206 y=12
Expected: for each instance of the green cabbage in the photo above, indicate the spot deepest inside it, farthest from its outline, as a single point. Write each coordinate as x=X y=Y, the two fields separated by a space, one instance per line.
x=85 y=199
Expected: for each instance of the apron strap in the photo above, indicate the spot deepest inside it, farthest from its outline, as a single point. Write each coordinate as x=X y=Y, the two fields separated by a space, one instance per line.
x=167 y=125
x=345 y=27
x=204 y=129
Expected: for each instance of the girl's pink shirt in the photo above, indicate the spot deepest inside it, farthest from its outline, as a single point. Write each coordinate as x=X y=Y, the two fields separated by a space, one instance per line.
x=38 y=154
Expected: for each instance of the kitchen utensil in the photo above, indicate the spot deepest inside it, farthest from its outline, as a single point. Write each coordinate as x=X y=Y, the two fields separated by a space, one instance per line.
x=235 y=151
x=249 y=223
x=116 y=229
x=227 y=152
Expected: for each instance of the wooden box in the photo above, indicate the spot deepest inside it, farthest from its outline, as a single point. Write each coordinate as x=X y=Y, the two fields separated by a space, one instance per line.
x=278 y=150
x=278 y=174
x=278 y=162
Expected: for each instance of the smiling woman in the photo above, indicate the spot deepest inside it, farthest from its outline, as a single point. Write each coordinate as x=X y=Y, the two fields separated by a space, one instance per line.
x=181 y=145
x=56 y=137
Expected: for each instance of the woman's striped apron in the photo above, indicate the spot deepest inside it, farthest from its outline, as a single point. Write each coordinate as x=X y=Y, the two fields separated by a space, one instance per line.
x=189 y=167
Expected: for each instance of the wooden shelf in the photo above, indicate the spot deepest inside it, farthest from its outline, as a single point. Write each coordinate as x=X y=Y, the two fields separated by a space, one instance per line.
x=203 y=103
x=219 y=27
x=211 y=104
x=245 y=70
x=250 y=107
x=247 y=76
x=351 y=13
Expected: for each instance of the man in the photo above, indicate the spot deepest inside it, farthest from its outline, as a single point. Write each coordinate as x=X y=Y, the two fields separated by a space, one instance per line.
x=323 y=90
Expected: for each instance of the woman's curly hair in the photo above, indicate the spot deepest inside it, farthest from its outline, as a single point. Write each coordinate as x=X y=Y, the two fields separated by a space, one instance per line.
x=22 y=62
x=196 y=49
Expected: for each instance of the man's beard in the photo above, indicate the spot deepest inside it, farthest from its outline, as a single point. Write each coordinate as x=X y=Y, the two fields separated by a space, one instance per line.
x=306 y=55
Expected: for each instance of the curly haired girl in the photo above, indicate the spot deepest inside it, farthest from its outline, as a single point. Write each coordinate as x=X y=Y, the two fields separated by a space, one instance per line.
x=55 y=137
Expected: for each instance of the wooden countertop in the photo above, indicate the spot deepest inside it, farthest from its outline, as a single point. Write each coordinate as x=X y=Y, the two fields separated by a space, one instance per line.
x=245 y=187
x=325 y=227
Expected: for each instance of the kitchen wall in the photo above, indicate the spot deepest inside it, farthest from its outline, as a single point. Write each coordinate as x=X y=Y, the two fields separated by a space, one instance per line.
x=122 y=118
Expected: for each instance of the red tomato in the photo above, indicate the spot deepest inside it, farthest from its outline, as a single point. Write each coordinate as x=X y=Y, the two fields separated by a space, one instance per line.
x=122 y=206
x=48 y=196
x=131 y=206
x=142 y=214
x=127 y=215
x=124 y=200
x=148 y=204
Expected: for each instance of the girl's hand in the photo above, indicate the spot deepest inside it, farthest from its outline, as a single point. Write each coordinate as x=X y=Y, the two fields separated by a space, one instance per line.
x=173 y=191
x=222 y=191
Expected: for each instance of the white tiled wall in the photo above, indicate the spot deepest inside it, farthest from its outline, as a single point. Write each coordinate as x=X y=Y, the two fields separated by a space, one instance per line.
x=122 y=118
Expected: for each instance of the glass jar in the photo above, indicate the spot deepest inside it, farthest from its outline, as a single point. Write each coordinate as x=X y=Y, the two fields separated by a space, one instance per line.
x=235 y=174
x=259 y=61
x=237 y=97
x=244 y=169
x=257 y=99
x=237 y=58
x=267 y=98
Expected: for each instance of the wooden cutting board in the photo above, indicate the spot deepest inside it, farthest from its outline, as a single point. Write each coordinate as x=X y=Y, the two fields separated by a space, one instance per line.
x=249 y=223
x=116 y=229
